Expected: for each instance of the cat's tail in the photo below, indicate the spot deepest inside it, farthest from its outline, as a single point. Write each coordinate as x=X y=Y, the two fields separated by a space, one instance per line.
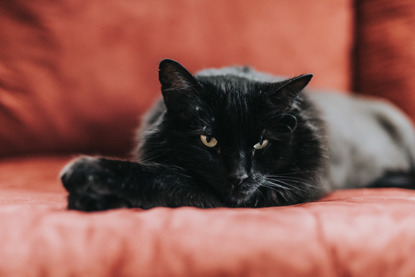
x=405 y=180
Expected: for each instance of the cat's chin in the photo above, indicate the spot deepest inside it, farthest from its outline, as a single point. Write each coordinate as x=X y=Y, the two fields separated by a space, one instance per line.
x=238 y=202
x=241 y=198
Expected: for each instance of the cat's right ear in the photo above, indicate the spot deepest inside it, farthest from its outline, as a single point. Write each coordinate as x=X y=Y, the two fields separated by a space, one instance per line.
x=177 y=84
x=284 y=94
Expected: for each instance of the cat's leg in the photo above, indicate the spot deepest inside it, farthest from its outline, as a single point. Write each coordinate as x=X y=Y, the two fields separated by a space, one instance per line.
x=100 y=184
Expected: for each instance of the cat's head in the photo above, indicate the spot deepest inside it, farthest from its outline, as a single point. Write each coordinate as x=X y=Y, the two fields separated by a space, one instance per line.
x=233 y=132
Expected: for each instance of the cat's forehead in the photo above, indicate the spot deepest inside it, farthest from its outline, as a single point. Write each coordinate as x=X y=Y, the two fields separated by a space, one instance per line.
x=232 y=105
x=229 y=84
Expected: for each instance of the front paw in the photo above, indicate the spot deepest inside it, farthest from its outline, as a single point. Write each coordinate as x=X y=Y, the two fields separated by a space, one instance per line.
x=93 y=201
x=85 y=174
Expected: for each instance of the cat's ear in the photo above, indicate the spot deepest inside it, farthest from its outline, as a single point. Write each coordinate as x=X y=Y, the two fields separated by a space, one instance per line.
x=178 y=86
x=174 y=77
x=285 y=93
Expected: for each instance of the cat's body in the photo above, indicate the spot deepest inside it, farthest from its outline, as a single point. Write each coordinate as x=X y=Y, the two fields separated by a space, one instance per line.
x=370 y=141
x=239 y=138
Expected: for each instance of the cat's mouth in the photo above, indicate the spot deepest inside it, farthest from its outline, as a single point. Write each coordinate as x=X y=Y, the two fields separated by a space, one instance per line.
x=240 y=195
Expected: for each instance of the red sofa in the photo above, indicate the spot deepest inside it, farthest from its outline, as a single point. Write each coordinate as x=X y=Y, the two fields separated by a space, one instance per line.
x=76 y=76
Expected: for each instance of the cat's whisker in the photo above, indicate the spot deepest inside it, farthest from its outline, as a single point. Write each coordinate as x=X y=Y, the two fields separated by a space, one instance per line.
x=293 y=180
x=288 y=182
x=288 y=174
x=284 y=184
x=258 y=191
x=285 y=176
x=277 y=186
x=281 y=192
x=287 y=187
x=280 y=188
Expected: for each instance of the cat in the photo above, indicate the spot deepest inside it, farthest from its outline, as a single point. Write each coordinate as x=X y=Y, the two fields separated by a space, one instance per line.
x=236 y=137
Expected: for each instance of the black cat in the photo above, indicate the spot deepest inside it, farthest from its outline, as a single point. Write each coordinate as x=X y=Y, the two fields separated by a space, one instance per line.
x=235 y=137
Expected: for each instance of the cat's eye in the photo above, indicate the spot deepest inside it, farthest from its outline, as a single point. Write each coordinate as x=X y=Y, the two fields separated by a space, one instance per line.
x=208 y=141
x=261 y=145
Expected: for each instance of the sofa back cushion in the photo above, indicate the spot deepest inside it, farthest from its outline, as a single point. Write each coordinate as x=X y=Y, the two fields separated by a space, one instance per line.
x=76 y=75
x=385 y=64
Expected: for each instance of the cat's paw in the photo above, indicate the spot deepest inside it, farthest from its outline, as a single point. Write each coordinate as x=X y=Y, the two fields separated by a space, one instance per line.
x=85 y=174
x=89 y=201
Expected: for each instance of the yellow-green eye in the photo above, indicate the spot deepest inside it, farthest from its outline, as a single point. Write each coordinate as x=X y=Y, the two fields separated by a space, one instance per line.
x=208 y=141
x=261 y=145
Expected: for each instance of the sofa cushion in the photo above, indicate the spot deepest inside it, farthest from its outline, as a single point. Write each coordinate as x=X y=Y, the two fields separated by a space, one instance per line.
x=367 y=232
x=75 y=75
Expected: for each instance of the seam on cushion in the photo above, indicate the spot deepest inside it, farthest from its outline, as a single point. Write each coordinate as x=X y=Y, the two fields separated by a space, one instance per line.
x=331 y=251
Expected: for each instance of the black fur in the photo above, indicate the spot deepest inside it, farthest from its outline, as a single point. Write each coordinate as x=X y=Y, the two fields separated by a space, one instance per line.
x=175 y=168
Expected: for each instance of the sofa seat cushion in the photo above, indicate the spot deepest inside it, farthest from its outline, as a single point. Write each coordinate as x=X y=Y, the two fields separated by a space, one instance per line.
x=367 y=232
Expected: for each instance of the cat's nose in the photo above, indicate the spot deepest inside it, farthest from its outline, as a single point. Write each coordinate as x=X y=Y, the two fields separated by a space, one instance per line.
x=236 y=180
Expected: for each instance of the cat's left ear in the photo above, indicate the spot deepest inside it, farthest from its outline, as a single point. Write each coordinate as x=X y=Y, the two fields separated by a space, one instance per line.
x=285 y=93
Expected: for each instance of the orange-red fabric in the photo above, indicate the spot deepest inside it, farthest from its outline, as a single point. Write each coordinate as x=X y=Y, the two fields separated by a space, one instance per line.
x=76 y=75
x=368 y=232
x=385 y=45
